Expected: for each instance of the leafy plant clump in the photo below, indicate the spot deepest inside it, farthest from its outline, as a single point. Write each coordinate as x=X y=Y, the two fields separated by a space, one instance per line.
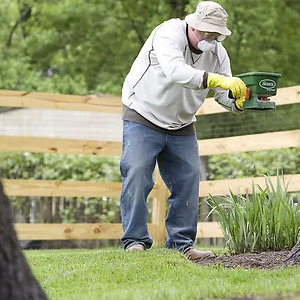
x=267 y=220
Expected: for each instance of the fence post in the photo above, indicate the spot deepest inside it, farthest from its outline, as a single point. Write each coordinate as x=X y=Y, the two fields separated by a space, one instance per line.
x=159 y=206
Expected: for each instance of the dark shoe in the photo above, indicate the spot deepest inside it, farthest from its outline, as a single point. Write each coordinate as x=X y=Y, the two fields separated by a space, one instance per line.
x=136 y=247
x=193 y=254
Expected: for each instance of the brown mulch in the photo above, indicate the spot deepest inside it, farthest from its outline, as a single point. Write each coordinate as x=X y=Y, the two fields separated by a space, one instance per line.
x=263 y=260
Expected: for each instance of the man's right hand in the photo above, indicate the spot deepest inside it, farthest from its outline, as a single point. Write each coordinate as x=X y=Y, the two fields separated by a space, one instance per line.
x=234 y=84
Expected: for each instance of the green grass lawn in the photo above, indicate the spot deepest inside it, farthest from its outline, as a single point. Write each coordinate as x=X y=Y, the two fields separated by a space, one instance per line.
x=154 y=274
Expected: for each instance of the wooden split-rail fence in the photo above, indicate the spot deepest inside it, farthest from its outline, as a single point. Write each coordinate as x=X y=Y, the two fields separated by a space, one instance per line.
x=159 y=194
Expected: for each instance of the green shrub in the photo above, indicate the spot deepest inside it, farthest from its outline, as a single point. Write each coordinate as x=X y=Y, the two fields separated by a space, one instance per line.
x=267 y=220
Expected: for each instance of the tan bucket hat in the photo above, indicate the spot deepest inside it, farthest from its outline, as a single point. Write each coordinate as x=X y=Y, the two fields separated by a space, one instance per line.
x=209 y=16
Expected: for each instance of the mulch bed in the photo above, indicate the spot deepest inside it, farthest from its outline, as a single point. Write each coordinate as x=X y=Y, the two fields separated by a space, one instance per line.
x=263 y=260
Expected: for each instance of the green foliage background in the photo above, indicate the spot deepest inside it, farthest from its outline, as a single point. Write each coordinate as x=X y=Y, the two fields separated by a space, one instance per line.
x=79 y=47
x=62 y=167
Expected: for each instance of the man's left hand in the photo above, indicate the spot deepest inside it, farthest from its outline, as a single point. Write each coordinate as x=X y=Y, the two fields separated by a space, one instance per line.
x=239 y=103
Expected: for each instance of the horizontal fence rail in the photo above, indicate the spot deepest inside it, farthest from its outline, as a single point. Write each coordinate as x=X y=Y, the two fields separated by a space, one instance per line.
x=59 y=188
x=70 y=231
x=251 y=142
x=56 y=188
x=56 y=145
x=92 y=231
x=110 y=104
x=84 y=231
x=236 y=144
x=102 y=103
x=244 y=185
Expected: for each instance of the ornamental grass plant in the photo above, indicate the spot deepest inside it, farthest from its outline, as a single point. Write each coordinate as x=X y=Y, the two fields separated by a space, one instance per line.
x=267 y=220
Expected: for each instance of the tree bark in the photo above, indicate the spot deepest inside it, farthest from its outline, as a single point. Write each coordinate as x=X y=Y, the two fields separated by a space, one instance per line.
x=294 y=255
x=16 y=279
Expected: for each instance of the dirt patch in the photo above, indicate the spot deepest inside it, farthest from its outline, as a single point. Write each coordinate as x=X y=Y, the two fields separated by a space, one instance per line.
x=263 y=260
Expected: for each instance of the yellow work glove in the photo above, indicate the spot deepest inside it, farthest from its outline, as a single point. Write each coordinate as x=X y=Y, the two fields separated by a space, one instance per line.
x=239 y=103
x=234 y=84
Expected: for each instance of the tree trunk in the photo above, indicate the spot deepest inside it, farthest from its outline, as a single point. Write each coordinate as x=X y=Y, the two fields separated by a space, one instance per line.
x=16 y=279
x=294 y=255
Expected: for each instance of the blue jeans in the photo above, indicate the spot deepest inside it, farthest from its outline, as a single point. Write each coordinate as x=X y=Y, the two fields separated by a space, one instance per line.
x=178 y=161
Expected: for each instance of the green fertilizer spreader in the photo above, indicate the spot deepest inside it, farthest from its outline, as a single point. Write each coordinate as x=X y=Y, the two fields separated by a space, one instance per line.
x=260 y=86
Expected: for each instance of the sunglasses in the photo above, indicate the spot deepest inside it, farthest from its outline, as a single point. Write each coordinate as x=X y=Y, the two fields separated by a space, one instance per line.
x=214 y=36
